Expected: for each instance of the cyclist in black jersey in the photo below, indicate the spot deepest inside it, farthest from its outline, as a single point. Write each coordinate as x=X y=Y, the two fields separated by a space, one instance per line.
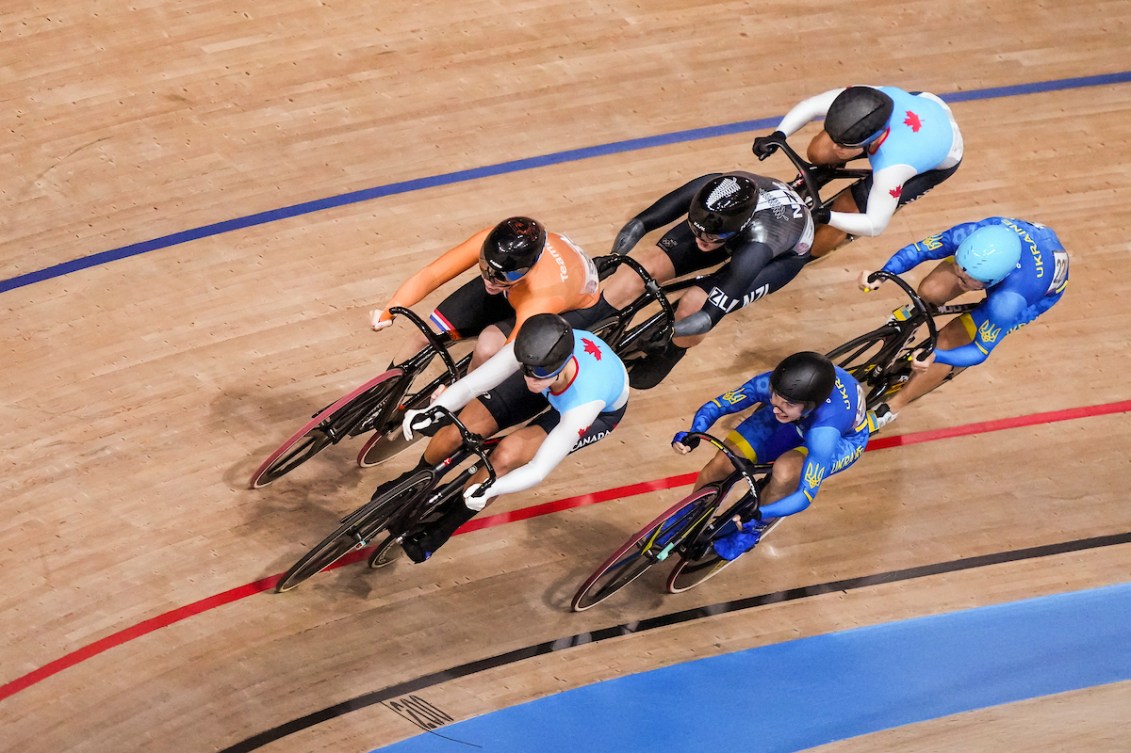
x=757 y=228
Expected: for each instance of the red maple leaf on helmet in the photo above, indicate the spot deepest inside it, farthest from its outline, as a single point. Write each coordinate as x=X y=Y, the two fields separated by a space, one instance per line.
x=581 y=432
x=592 y=348
x=896 y=192
x=912 y=121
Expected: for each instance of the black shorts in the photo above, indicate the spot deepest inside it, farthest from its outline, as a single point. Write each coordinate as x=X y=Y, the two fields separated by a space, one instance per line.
x=601 y=427
x=912 y=189
x=470 y=310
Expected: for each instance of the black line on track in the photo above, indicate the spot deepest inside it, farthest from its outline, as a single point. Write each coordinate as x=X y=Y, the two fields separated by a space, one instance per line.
x=639 y=626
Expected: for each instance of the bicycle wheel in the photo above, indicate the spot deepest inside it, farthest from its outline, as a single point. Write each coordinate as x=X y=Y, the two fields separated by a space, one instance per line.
x=648 y=546
x=356 y=531
x=327 y=427
x=386 y=553
x=689 y=573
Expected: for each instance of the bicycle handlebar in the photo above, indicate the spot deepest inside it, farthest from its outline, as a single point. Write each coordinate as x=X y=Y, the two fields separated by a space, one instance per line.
x=653 y=288
x=922 y=306
x=472 y=441
x=436 y=341
x=740 y=464
x=809 y=173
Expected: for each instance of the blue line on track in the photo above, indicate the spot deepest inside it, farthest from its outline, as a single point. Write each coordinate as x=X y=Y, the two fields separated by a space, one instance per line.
x=530 y=163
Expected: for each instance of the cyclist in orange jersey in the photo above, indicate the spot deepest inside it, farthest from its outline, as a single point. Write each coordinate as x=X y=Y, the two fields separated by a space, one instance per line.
x=523 y=271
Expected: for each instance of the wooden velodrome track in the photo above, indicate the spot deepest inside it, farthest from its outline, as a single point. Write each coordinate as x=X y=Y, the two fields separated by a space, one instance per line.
x=140 y=393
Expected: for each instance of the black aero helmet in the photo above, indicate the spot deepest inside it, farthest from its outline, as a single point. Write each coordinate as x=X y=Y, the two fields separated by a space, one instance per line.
x=544 y=345
x=857 y=114
x=722 y=208
x=510 y=250
x=805 y=377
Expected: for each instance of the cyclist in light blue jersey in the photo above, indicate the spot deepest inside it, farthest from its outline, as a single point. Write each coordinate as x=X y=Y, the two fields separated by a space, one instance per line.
x=812 y=423
x=1021 y=265
x=910 y=138
x=581 y=378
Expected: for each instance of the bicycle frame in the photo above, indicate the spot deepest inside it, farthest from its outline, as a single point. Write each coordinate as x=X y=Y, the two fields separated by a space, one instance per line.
x=412 y=367
x=747 y=505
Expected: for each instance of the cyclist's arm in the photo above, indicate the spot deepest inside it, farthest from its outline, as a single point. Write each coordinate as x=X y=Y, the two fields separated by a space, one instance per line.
x=755 y=391
x=444 y=269
x=554 y=449
x=883 y=199
x=672 y=206
x=931 y=248
x=491 y=374
x=820 y=443
x=1004 y=310
x=806 y=110
x=730 y=291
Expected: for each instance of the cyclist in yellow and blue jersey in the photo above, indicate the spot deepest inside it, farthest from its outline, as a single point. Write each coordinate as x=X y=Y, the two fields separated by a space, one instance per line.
x=812 y=423
x=1021 y=265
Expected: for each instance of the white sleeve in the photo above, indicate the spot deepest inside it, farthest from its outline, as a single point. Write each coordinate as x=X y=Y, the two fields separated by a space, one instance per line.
x=882 y=202
x=490 y=374
x=554 y=449
x=806 y=110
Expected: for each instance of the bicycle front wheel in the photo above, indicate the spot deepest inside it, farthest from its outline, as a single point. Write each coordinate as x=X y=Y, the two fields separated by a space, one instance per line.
x=327 y=427
x=356 y=531
x=690 y=572
x=650 y=545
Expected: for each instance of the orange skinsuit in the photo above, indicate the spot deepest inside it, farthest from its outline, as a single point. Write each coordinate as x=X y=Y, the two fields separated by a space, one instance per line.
x=563 y=279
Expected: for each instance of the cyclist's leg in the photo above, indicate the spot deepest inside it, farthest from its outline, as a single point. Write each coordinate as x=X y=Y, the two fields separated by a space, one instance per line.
x=475 y=416
x=957 y=332
x=751 y=439
x=762 y=439
x=685 y=256
x=674 y=255
x=463 y=314
x=515 y=450
x=625 y=285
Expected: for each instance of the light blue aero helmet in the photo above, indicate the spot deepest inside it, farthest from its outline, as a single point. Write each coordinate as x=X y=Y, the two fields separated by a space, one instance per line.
x=989 y=254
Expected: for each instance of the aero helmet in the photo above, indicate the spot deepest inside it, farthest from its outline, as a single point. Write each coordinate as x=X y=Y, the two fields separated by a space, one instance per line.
x=857 y=114
x=989 y=254
x=722 y=208
x=510 y=250
x=544 y=345
x=805 y=377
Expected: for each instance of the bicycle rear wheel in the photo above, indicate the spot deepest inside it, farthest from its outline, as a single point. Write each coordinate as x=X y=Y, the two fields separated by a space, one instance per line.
x=356 y=531
x=327 y=427
x=386 y=553
x=648 y=546
x=689 y=573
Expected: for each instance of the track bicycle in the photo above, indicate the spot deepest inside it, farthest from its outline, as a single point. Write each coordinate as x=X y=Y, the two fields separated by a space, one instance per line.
x=377 y=405
x=881 y=359
x=687 y=530
x=402 y=509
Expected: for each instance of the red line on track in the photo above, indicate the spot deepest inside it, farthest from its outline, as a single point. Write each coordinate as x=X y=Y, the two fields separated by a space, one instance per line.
x=266 y=584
